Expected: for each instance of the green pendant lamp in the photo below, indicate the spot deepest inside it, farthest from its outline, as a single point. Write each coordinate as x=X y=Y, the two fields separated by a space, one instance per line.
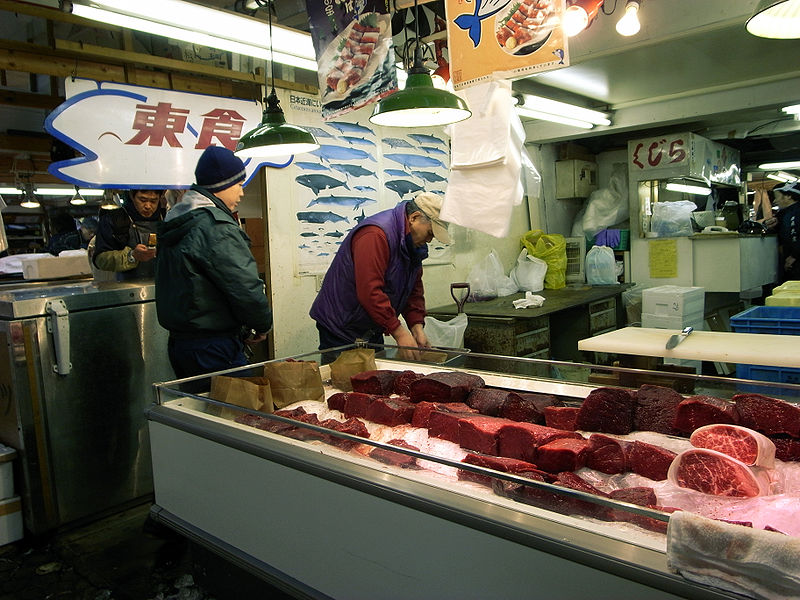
x=776 y=19
x=419 y=104
x=274 y=136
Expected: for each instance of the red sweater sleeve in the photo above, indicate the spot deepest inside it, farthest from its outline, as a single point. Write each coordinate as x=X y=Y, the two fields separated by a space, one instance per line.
x=415 y=309
x=370 y=250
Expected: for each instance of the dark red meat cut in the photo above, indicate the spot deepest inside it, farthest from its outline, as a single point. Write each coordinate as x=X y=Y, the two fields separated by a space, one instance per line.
x=698 y=411
x=304 y=433
x=352 y=426
x=607 y=410
x=356 y=404
x=250 y=420
x=786 y=448
x=527 y=407
x=390 y=411
x=402 y=383
x=423 y=410
x=562 y=417
x=397 y=459
x=447 y=386
x=713 y=473
x=520 y=440
x=444 y=425
x=505 y=465
x=479 y=433
x=276 y=426
x=606 y=454
x=642 y=496
x=768 y=415
x=656 y=409
x=488 y=401
x=336 y=401
x=648 y=460
x=380 y=382
x=563 y=454
x=582 y=507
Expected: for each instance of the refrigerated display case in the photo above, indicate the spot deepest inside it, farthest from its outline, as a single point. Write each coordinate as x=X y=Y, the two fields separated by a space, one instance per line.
x=292 y=503
x=77 y=364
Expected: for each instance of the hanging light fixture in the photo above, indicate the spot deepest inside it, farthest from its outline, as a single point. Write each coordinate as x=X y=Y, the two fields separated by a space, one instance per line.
x=110 y=200
x=629 y=23
x=77 y=199
x=420 y=104
x=778 y=19
x=579 y=15
x=274 y=136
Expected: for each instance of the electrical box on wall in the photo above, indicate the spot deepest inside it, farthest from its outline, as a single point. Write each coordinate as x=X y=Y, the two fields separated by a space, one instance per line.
x=575 y=178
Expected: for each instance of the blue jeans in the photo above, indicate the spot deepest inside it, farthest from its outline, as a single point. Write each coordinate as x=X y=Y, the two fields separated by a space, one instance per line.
x=197 y=356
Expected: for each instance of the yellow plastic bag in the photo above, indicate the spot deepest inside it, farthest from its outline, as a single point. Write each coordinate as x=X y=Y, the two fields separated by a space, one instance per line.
x=551 y=248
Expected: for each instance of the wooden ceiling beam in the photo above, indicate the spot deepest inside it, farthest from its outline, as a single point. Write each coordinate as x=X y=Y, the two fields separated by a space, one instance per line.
x=28 y=100
x=10 y=142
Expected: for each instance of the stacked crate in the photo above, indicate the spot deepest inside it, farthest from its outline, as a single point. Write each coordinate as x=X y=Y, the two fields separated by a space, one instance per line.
x=675 y=307
x=10 y=505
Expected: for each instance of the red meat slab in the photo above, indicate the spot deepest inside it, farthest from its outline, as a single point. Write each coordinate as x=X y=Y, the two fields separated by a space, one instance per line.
x=607 y=410
x=390 y=411
x=606 y=454
x=479 y=433
x=768 y=415
x=648 y=460
x=423 y=410
x=563 y=454
x=380 y=382
x=520 y=440
x=656 y=409
x=561 y=417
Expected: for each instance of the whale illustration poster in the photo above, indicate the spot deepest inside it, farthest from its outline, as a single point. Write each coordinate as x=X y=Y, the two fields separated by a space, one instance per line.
x=504 y=38
x=358 y=170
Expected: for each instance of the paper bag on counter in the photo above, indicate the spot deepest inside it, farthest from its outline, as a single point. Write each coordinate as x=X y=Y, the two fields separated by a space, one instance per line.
x=247 y=392
x=351 y=362
x=294 y=380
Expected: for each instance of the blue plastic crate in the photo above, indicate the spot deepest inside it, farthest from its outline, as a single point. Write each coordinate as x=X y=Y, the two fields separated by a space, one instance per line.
x=780 y=320
x=769 y=374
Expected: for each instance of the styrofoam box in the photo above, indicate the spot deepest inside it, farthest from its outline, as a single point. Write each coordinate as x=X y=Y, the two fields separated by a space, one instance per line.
x=10 y=520
x=668 y=300
x=696 y=320
x=7 y=455
x=52 y=267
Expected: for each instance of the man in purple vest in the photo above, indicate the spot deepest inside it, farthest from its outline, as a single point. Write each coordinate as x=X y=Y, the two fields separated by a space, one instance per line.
x=376 y=276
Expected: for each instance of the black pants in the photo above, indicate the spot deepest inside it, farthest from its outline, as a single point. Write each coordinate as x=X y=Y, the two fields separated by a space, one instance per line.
x=328 y=339
x=197 y=356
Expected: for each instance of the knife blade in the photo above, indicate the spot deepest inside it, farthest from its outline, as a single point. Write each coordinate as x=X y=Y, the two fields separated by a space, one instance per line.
x=679 y=337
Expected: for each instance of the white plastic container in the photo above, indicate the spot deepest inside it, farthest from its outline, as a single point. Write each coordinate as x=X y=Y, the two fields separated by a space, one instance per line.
x=695 y=320
x=10 y=520
x=53 y=267
x=671 y=300
x=7 y=456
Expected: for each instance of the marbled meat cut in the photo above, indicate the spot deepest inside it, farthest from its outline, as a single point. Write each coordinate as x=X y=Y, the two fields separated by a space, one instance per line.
x=423 y=410
x=563 y=454
x=561 y=417
x=527 y=407
x=712 y=472
x=505 y=465
x=380 y=382
x=786 y=448
x=397 y=459
x=488 y=401
x=741 y=443
x=390 y=411
x=768 y=415
x=698 y=411
x=479 y=433
x=607 y=410
x=607 y=454
x=447 y=386
x=520 y=440
x=656 y=408
x=444 y=425
x=648 y=460
x=402 y=383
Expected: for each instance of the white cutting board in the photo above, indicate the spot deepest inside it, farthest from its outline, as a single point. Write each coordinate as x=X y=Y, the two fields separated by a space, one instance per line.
x=716 y=346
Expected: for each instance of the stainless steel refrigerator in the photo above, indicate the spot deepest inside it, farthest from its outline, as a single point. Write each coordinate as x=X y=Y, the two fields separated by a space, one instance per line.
x=77 y=364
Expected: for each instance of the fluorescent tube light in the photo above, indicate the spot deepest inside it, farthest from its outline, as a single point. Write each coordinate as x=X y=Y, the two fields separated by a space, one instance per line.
x=794 y=109
x=538 y=107
x=47 y=191
x=777 y=166
x=688 y=188
x=776 y=177
x=536 y=114
x=204 y=26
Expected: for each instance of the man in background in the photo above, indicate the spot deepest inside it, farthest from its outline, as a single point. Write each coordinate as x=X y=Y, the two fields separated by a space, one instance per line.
x=787 y=221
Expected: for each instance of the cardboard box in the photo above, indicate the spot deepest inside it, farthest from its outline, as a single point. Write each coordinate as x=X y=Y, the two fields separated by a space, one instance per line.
x=10 y=520
x=54 y=267
x=695 y=320
x=671 y=300
x=7 y=456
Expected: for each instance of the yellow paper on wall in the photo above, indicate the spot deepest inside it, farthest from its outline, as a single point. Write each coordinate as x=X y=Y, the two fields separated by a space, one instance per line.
x=663 y=256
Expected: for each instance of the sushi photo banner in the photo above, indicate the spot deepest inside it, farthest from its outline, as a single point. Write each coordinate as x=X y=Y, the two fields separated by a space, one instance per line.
x=355 y=56
x=504 y=39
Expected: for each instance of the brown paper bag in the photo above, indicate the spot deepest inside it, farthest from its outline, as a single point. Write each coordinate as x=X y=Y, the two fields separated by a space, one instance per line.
x=247 y=392
x=294 y=380
x=351 y=362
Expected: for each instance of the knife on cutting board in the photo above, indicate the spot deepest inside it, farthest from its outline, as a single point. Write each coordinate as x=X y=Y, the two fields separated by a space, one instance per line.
x=679 y=337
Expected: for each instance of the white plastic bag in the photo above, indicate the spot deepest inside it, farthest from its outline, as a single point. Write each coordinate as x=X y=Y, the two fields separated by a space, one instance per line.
x=529 y=272
x=601 y=266
x=487 y=280
x=607 y=206
x=446 y=334
x=672 y=219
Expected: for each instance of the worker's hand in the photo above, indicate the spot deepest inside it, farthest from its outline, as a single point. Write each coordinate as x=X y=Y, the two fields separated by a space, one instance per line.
x=419 y=335
x=788 y=263
x=403 y=337
x=256 y=338
x=143 y=254
x=770 y=222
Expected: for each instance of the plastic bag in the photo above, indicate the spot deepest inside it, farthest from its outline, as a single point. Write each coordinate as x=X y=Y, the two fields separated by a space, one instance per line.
x=552 y=249
x=446 y=334
x=601 y=266
x=487 y=280
x=672 y=219
x=609 y=206
x=529 y=272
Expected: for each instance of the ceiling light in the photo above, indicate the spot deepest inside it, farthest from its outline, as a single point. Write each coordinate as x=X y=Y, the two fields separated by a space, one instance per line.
x=543 y=116
x=777 y=177
x=111 y=200
x=777 y=166
x=794 y=109
x=629 y=23
x=48 y=191
x=77 y=199
x=579 y=15
x=778 y=19
x=688 y=186
x=204 y=26
x=546 y=109
x=274 y=136
x=419 y=104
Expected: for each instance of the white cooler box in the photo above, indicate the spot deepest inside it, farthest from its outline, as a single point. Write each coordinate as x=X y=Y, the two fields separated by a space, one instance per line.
x=10 y=520
x=696 y=320
x=673 y=300
x=48 y=266
x=7 y=455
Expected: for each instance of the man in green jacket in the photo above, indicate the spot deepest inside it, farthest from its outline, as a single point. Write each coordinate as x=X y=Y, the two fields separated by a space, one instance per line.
x=208 y=293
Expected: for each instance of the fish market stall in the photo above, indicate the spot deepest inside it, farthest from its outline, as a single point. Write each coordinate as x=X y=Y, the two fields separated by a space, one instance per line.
x=480 y=476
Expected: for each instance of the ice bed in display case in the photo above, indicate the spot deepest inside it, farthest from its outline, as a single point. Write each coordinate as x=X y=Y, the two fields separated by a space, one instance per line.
x=380 y=498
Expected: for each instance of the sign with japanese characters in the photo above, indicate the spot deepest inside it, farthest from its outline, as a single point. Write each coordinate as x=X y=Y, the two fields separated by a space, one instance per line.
x=504 y=39
x=139 y=137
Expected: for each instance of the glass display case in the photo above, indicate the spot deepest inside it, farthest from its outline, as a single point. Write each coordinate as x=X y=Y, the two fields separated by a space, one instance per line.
x=387 y=502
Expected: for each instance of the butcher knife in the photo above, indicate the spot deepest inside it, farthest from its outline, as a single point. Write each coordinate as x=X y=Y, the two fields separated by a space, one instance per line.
x=679 y=337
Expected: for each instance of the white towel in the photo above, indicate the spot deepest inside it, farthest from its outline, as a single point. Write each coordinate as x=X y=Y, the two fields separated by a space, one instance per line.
x=753 y=562
x=482 y=140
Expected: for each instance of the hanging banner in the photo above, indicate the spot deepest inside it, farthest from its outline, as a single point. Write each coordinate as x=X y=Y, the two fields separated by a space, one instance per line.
x=355 y=57
x=139 y=137
x=504 y=39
